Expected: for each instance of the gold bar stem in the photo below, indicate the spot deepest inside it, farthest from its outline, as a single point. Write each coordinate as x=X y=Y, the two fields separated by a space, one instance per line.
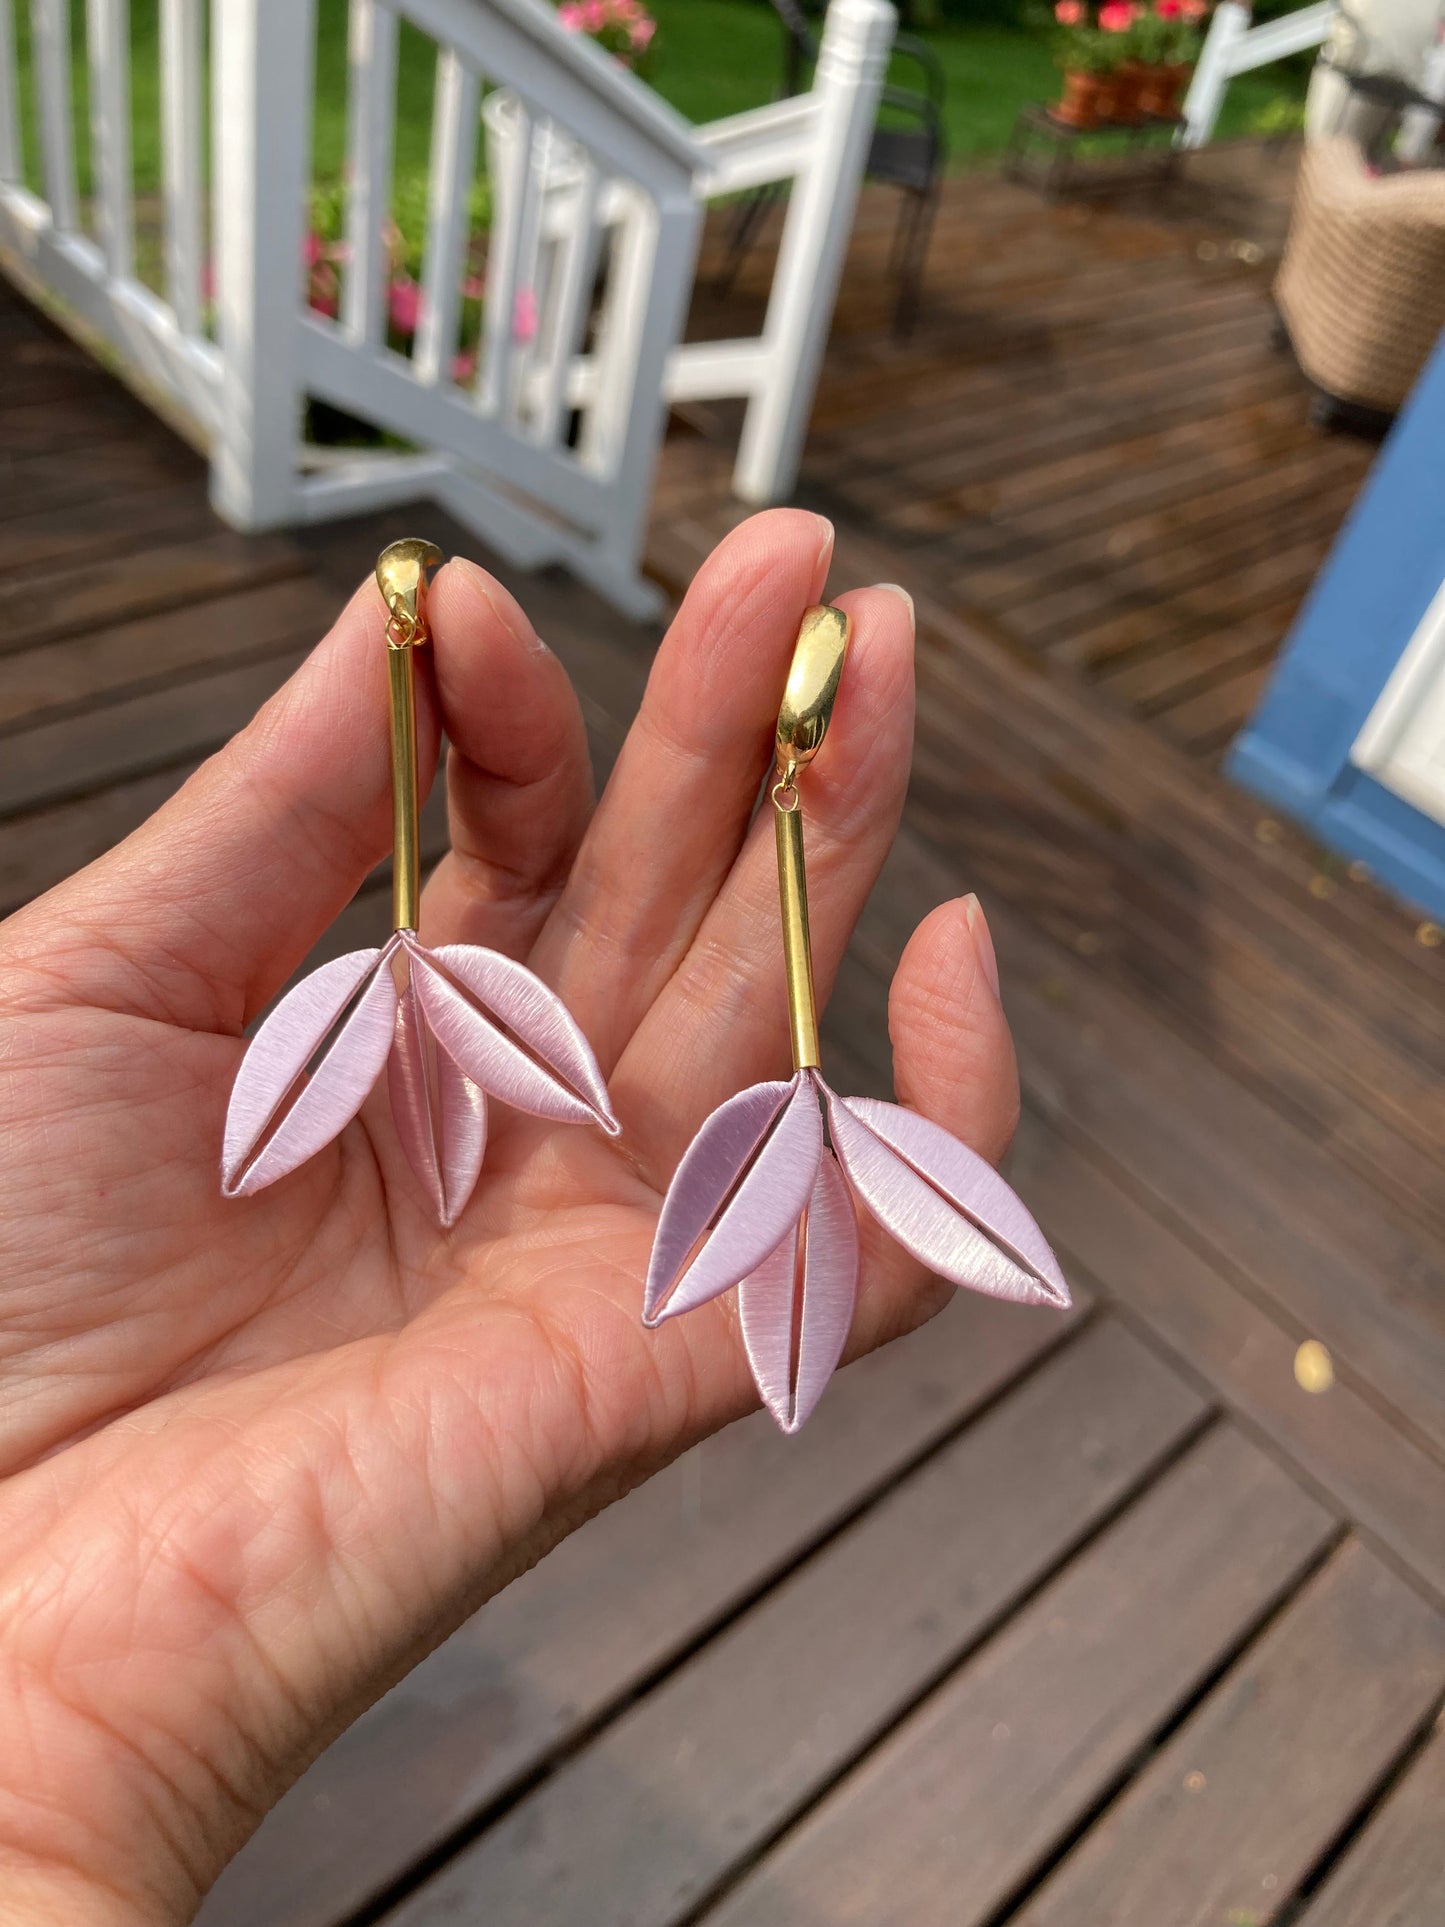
x=405 y=800
x=797 y=951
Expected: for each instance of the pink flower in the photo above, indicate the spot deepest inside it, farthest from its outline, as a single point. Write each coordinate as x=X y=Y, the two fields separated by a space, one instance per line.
x=1169 y=9
x=1069 y=13
x=1194 y=9
x=323 y=292
x=1117 y=17
x=524 y=316
x=314 y=249
x=570 y=16
x=404 y=305
x=474 y=287
x=464 y=367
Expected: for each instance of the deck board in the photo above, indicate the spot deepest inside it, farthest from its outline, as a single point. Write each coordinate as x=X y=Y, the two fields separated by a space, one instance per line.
x=1221 y=1825
x=953 y=1812
x=704 y=1770
x=1094 y=472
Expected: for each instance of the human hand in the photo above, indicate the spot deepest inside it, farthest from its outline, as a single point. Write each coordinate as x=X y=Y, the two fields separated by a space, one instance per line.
x=258 y=1456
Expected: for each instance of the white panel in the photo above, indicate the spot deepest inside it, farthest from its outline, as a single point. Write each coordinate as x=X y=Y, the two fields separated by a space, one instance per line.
x=182 y=167
x=10 y=155
x=448 y=228
x=107 y=33
x=371 y=120
x=1402 y=744
x=50 y=41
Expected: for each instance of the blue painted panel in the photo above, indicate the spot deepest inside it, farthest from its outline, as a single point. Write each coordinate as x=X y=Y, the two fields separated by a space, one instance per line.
x=1366 y=603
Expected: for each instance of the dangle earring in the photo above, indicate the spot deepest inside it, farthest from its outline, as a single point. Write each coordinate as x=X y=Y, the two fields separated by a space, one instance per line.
x=766 y=1195
x=452 y=1026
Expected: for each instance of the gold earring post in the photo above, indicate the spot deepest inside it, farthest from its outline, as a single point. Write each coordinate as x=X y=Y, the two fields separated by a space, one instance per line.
x=808 y=700
x=401 y=576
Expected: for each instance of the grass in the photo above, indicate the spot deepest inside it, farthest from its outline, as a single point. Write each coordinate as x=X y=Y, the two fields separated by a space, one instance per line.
x=715 y=57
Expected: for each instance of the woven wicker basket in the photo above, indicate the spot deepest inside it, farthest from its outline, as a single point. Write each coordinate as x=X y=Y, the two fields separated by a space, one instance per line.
x=1361 y=288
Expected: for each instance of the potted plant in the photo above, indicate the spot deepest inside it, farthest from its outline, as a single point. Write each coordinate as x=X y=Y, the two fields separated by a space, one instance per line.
x=1089 y=58
x=1118 y=24
x=1167 y=40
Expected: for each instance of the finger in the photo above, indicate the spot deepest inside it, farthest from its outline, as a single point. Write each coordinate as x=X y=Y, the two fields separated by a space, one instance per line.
x=519 y=779
x=721 y=1022
x=201 y=915
x=953 y=1057
x=677 y=807
x=953 y=1061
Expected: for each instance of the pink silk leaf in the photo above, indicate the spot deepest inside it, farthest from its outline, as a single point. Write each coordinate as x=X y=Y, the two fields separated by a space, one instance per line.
x=440 y=1115
x=545 y=1066
x=741 y=1187
x=791 y=1383
x=943 y=1203
x=278 y=1055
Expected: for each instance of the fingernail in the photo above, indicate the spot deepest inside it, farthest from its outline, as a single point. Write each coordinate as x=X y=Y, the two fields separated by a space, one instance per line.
x=897 y=588
x=503 y=606
x=826 y=538
x=982 y=940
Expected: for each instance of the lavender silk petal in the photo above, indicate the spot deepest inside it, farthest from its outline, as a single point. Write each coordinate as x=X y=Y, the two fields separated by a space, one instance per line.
x=969 y=1181
x=409 y=1088
x=790 y=1387
x=554 y=1074
x=462 y=1122
x=765 y=1205
x=927 y=1193
x=279 y=1053
x=440 y=1115
x=710 y=1167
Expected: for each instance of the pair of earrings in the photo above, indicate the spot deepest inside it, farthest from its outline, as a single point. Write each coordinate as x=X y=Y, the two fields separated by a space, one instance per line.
x=766 y=1197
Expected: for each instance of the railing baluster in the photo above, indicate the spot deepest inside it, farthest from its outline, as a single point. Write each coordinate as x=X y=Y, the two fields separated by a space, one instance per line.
x=448 y=229
x=567 y=303
x=50 y=43
x=12 y=164
x=107 y=33
x=371 y=61
x=182 y=81
x=512 y=223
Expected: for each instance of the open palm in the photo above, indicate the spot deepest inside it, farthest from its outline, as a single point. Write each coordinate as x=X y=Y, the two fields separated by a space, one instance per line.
x=257 y=1456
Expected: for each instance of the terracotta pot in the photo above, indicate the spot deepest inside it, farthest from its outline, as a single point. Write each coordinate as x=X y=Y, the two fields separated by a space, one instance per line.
x=1162 y=88
x=1107 y=99
x=1130 y=81
x=1079 y=106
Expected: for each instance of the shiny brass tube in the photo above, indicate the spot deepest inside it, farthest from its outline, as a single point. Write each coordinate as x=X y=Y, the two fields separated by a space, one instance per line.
x=797 y=949
x=405 y=799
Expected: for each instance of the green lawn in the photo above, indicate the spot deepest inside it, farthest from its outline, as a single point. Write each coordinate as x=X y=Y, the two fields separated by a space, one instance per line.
x=715 y=57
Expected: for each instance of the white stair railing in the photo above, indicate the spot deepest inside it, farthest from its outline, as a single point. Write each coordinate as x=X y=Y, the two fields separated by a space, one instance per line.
x=90 y=267
x=547 y=445
x=541 y=479
x=1233 y=47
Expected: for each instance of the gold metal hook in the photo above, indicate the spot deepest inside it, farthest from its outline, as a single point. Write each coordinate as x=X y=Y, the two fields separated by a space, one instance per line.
x=401 y=576
x=808 y=699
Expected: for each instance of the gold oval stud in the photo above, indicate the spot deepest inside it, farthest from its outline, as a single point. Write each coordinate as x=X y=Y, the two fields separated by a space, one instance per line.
x=812 y=687
x=401 y=576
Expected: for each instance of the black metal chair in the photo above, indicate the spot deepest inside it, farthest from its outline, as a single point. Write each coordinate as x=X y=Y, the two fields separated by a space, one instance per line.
x=908 y=152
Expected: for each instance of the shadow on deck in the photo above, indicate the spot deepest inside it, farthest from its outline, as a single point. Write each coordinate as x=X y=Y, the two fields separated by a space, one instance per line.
x=1045 y=1622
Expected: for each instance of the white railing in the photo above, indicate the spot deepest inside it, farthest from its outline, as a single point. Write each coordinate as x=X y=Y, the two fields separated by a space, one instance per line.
x=819 y=141
x=1233 y=47
x=544 y=436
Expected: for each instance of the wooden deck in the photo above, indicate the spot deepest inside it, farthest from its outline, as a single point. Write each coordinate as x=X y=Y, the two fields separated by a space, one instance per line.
x=1090 y=1622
